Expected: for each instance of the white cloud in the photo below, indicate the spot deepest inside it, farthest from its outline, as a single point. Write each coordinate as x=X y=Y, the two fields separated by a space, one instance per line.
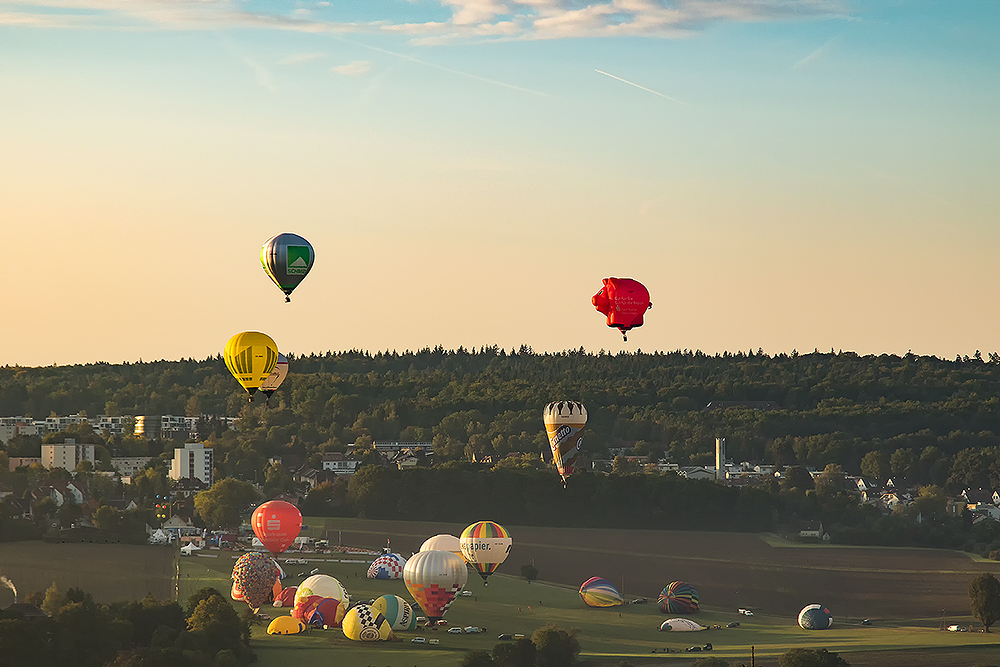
x=470 y=20
x=355 y=68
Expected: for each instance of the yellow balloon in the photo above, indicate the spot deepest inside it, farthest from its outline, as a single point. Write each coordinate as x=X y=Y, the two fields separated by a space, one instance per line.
x=364 y=624
x=250 y=357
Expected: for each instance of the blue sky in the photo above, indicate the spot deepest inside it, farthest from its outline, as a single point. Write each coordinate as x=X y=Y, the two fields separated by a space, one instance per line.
x=780 y=174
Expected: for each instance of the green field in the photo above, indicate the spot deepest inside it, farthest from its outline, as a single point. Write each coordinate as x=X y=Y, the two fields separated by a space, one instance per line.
x=902 y=590
x=607 y=636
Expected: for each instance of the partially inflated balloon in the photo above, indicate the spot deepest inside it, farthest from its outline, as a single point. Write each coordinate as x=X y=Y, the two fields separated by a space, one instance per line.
x=397 y=611
x=678 y=598
x=434 y=579
x=251 y=357
x=322 y=585
x=277 y=376
x=364 y=624
x=276 y=524
x=623 y=301
x=599 y=592
x=485 y=545
x=443 y=542
x=564 y=422
x=286 y=259
x=286 y=598
x=254 y=576
x=387 y=566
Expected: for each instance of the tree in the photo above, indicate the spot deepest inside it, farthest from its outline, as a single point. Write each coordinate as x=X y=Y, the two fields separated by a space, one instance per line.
x=811 y=657
x=519 y=654
x=797 y=477
x=831 y=482
x=53 y=600
x=555 y=647
x=477 y=659
x=875 y=464
x=223 y=504
x=216 y=625
x=529 y=572
x=984 y=593
x=107 y=518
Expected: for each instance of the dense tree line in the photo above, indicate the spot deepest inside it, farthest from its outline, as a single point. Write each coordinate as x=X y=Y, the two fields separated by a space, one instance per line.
x=146 y=633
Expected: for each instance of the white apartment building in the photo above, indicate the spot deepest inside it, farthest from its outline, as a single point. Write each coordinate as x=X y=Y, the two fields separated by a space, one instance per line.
x=66 y=455
x=192 y=460
x=129 y=466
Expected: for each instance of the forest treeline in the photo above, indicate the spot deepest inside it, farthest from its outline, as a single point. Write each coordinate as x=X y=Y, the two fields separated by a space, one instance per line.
x=832 y=407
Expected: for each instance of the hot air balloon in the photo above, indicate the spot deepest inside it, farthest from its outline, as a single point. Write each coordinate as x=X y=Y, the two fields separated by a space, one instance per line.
x=254 y=576
x=251 y=357
x=443 y=542
x=434 y=579
x=387 y=566
x=680 y=625
x=564 y=422
x=485 y=546
x=286 y=598
x=678 y=598
x=321 y=600
x=397 y=611
x=623 y=301
x=364 y=624
x=287 y=258
x=286 y=625
x=598 y=592
x=277 y=376
x=815 y=617
x=276 y=524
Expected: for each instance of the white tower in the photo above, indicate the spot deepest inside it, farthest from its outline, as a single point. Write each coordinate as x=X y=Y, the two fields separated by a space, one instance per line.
x=720 y=459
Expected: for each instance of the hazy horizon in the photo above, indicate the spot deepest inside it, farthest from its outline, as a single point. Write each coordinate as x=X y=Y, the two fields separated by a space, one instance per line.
x=781 y=174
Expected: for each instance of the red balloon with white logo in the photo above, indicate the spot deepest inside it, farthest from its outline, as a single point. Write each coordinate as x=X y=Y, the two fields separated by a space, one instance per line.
x=624 y=301
x=276 y=524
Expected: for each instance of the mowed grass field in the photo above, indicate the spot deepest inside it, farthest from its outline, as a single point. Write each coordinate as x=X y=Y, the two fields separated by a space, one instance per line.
x=607 y=636
x=109 y=572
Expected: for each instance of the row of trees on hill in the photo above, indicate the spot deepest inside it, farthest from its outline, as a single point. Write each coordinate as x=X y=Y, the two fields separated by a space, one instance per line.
x=921 y=418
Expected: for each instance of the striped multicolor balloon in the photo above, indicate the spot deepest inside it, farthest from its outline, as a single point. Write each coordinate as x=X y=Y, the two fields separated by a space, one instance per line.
x=678 y=598
x=485 y=545
x=599 y=592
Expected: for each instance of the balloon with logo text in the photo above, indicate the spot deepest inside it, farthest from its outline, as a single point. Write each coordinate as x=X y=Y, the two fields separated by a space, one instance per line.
x=276 y=524
x=287 y=259
x=485 y=546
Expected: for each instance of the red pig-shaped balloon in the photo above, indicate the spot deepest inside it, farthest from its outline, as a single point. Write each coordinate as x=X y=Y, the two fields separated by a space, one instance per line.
x=623 y=301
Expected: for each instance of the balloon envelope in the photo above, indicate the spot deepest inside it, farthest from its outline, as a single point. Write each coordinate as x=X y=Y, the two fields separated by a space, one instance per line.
x=599 y=592
x=322 y=585
x=286 y=598
x=276 y=524
x=397 y=611
x=564 y=422
x=251 y=357
x=286 y=259
x=277 y=376
x=443 y=542
x=623 y=301
x=815 y=617
x=678 y=598
x=680 y=625
x=286 y=625
x=434 y=579
x=364 y=624
x=254 y=576
x=387 y=566
x=485 y=545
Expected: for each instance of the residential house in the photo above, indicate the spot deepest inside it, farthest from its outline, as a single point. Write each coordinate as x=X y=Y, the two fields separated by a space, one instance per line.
x=811 y=530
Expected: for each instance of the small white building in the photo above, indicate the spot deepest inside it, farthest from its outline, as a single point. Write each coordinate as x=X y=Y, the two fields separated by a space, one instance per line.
x=128 y=466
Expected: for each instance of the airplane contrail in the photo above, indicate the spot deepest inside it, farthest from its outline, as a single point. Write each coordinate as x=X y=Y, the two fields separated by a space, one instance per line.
x=648 y=90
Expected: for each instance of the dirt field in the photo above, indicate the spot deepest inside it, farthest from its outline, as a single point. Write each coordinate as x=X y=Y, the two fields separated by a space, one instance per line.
x=109 y=572
x=892 y=586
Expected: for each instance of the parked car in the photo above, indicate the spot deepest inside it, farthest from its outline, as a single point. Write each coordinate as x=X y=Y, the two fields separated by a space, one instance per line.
x=640 y=601
x=471 y=630
x=466 y=594
x=693 y=649
x=505 y=637
x=866 y=622
x=745 y=612
x=454 y=631
x=295 y=561
x=419 y=640
x=733 y=624
x=434 y=641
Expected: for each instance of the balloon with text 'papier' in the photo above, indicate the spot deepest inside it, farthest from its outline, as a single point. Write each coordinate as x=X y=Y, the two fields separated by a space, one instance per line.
x=286 y=259
x=564 y=422
x=623 y=301
x=251 y=357
x=276 y=524
x=485 y=546
x=434 y=579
